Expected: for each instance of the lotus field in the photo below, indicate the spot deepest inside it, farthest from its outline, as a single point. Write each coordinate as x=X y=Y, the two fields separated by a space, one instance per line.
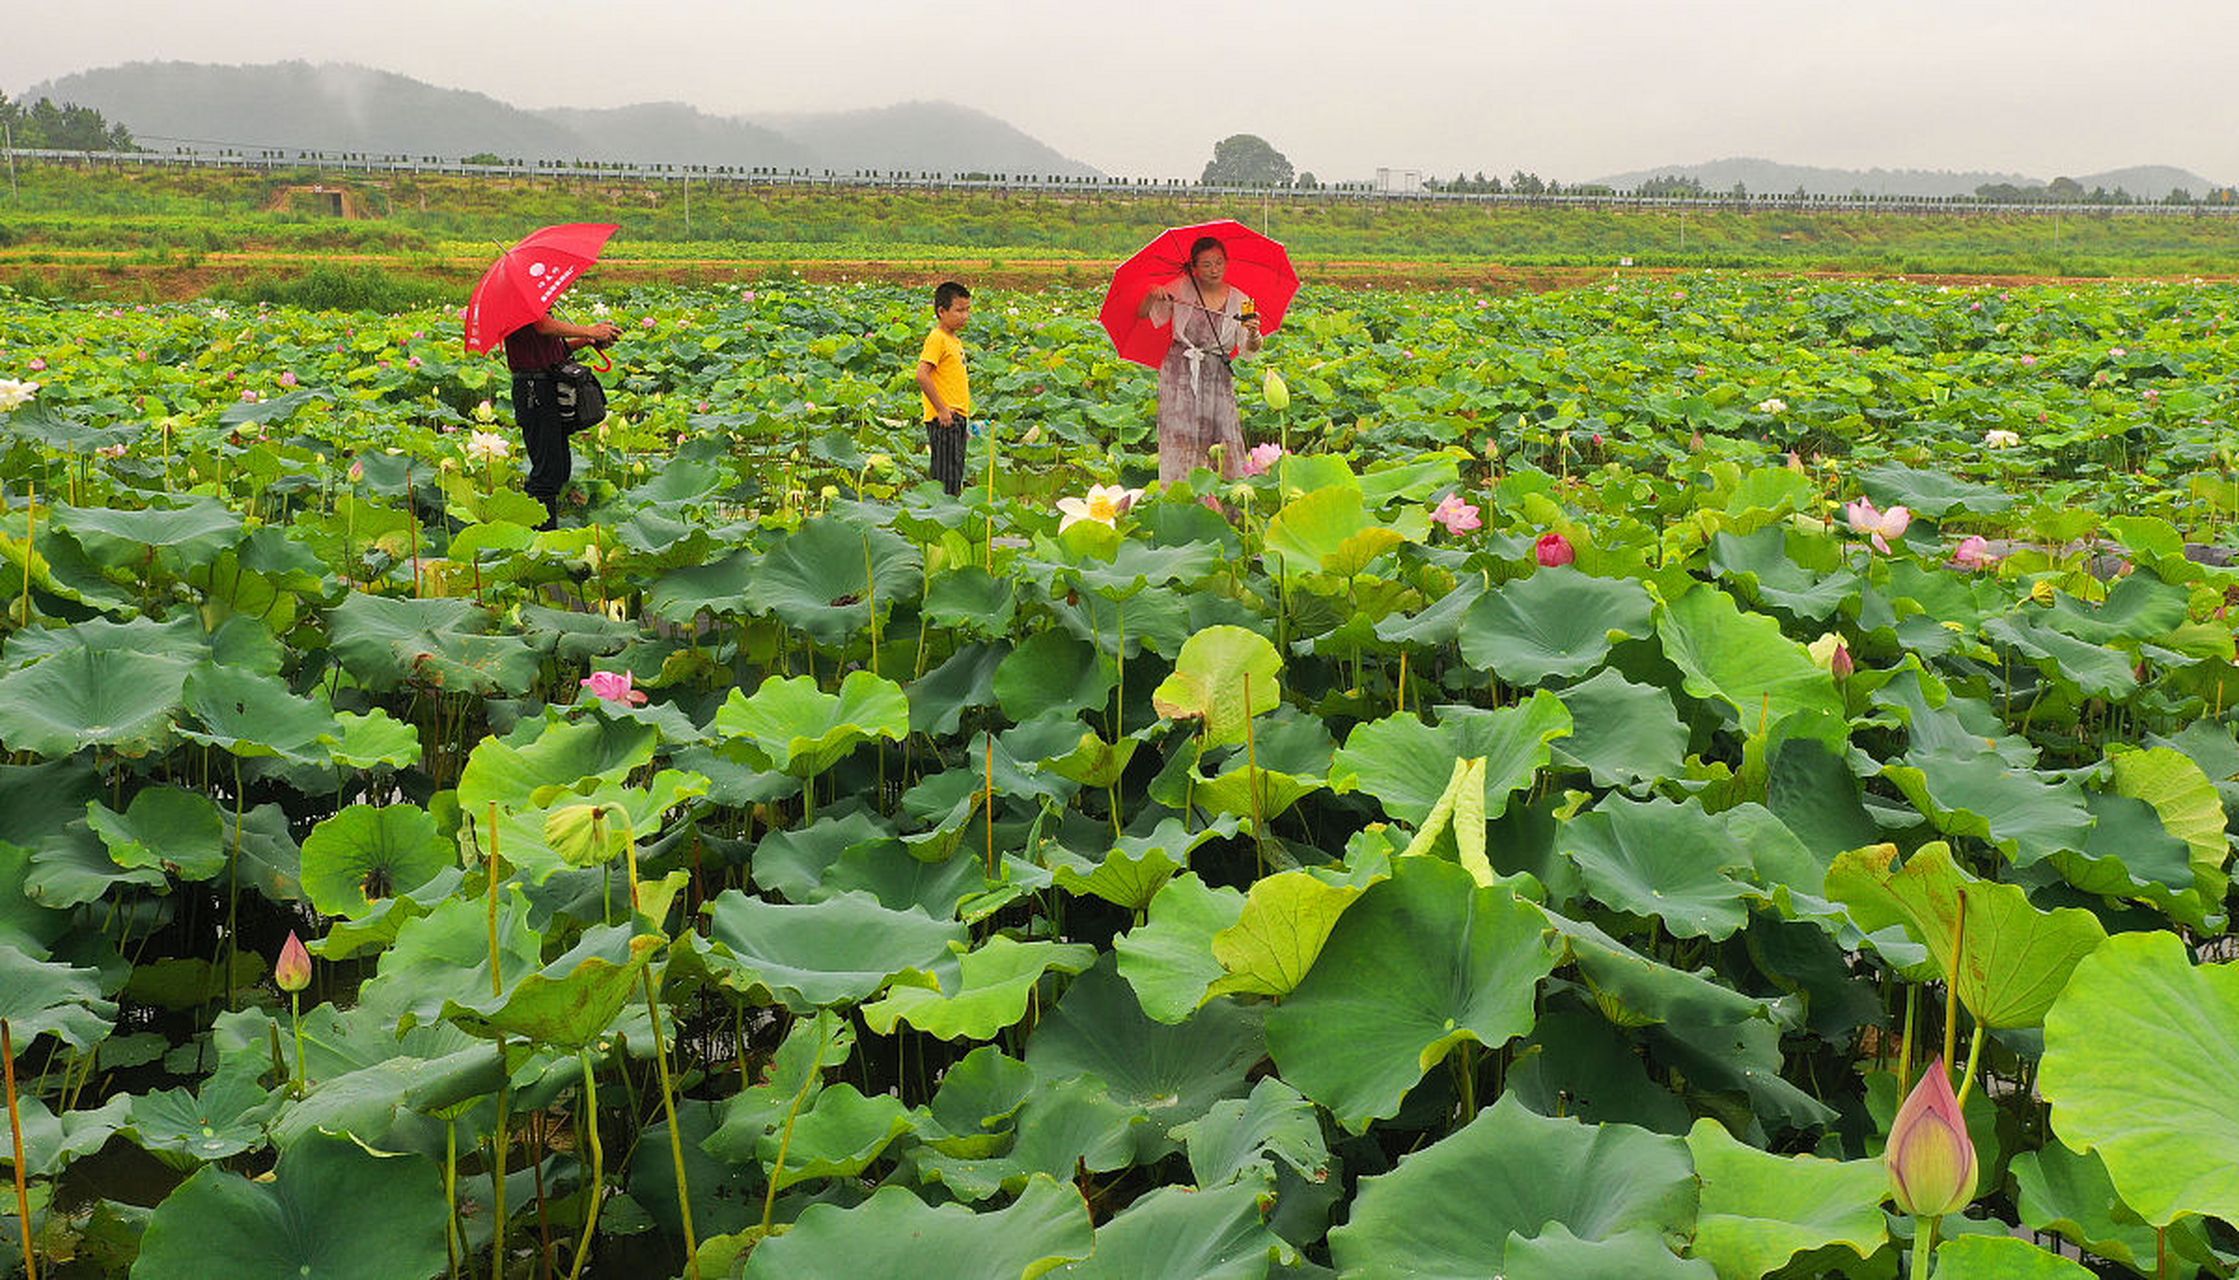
x=1704 y=777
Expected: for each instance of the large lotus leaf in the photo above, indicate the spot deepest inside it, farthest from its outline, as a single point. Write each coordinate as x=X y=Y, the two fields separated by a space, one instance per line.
x=1622 y=733
x=801 y=731
x=1932 y=493
x=2096 y=669
x=33 y=928
x=225 y=1117
x=838 y=1137
x=446 y=953
x=1761 y=562
x=1169 y=958
x=894 y=1233
x=331 y=1209
x=1062 y=1128
x=1553 y=623
x=975 y=1103
x=2001 y=1257
x=73 y=867
x=197 y=529
x=251 y=714
x=1238 y=1139
x=1329 y=530
x=367 y=852
x=2190 y=807
x=365 y=1077
x=1759 y=1210
x=170 y=828
x=823 y=578
x=1664 y=860
x=1577 y=1063
x=2024 y=813
x=1743 y=660
x=717 y=587
x=2015 y=958
x=236 y=643
x=373 y=739
x=1438 y=623
x=996 y=979
x=969 y=598
x=1052 y=671
x=841 y=950
x=1422 y=963
x=1556 y=1254
x=1216 y=1234
x=1175 y=1073
x=118 y=699
x=1447 y=1211
x=1224 y=677
x=1131 y=872
x=1272 y=944
x=38 y=998
x=1634 y=990
x=385 y=642
x=939 y=699
x=51 y=1142
x=570 y=1001
x=549 y=755
x=2069 y=1195
x=1406 y=764
x=2139 y=606
x=2137 y=1068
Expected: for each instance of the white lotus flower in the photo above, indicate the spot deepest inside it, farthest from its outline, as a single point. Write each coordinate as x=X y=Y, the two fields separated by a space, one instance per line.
x=2000 y=439
x=1105 y=504
x=1773 y=405
x=14 y=394
x=488 y=446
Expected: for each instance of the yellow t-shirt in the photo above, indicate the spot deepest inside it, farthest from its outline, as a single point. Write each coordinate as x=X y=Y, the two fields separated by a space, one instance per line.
x=945 y=352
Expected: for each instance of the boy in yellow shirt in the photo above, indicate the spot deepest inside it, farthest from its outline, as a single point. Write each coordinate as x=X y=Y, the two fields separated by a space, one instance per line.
x=943 y=387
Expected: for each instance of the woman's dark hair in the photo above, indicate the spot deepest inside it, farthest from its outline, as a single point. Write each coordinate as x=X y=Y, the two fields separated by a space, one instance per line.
x=946 y=295
x=1201 y=244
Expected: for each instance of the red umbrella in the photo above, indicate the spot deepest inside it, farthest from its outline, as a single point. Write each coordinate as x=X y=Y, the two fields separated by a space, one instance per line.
x=520 y=287
x=1259 y=266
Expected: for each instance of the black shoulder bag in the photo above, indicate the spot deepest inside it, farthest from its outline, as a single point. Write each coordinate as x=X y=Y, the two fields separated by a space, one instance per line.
x=578 y=398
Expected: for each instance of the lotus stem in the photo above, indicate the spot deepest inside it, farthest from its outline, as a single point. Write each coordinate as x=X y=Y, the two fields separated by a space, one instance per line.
x=451 y=1193
x=784 y=1146
x=990 y=814
x=1251 y=763
x=1974 y=1059
x=497 y=979
x=676 y=1136
x=233 y=887
x=1924 y=1246
x=1951 y=978
x=598 y=1163
x=412 y=521
x=500 y=1139
x=30 y=547
x=295 y=1015
x=15 y=1134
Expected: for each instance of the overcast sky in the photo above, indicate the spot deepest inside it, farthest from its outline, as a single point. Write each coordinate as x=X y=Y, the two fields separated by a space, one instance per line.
x=1571 y=89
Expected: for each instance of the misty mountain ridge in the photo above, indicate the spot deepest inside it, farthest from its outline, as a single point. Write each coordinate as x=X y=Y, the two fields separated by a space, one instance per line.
x=1768 y=177
x=347 y=107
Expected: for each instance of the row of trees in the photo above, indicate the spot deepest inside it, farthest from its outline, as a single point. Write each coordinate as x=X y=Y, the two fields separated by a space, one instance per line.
x=49 y=125
x=2070 y=191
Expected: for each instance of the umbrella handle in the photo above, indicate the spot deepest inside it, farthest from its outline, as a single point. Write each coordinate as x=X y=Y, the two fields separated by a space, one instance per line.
x=607 y=361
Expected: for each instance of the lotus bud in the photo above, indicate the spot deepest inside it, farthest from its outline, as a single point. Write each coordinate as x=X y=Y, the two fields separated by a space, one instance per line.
x=1554 y=550
x=1277 y=391
x=293 y=969
x=1930 y=1157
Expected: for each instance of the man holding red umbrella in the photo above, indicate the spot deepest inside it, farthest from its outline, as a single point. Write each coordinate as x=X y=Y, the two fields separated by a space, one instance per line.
x=513 y=305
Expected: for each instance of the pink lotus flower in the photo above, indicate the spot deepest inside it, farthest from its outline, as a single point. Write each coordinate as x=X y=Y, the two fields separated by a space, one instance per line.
x=746 y=295
x=292 y=971
x=2117 y=353
x=614 y=686
x=414 y=362
x=37 y=365
x=2152 y=396
x=1931 y=1159
x=2029 y=360
x=1458 y=516
x=249 y=397
x=1262 y=458
x=1880 y=526
x=357 y=472
x=1553 y=550
x=1973 y=555
x=649 y=323
x=288 y=379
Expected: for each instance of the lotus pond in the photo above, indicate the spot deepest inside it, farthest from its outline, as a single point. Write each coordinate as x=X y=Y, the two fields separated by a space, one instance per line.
x=1543 y=822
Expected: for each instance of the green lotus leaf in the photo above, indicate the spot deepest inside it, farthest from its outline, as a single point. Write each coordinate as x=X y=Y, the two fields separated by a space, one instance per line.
x=2069 y=1195
x=371 y=1083
x=1239 y=1139
x=717 y=587
x=366 y=853
x=1449 y=1208
x=310 y=1219
x=515 y=771
x=940 y=698
x=823 y=578
x=40 y=998
x=969 y=598
x=2190 y=808
x=1052 y=671
x=2135 y=1070
x=373 y=739
x=894 y=1233
x=2097 y=670
x=1272 y=944
x=1406 y=764
x=1744 y=662
x=801 y=731
x=841 y=950
x=1062 y=1128
x=838 y=1137
x=1931 y=493
x=1094 y=762
x=446 y=953
x=1216 y=1234
x=1760 y=562
x=1552 y=624
x=1669 y=861
x=2002 y=1257
x=1758 y=1210
x=73 y=868
x=223 y=1118
x=446 y=643
x=996 y=979
x=722 y=1194
x=51 y=1142
x=1224 y=677
x=976 y=1102
x=251 y=714
x=1577 y=1063
x=1328 y=530
x=1132 y=871
x=2014 y=959
x=1173 y=1073
x=1556 y=1254
x=24 y=923
x=1622 y=733
x=1422 y=963
x=169 y=828
x=196 y=529
x=119 y=699
x=1169 y=959
x=569 y=1002
x=2025 y=814
x=1634 y=990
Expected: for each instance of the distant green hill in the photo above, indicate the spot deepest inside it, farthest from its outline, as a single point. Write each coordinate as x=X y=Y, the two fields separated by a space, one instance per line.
x=344 y=107
x=1768 y=177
